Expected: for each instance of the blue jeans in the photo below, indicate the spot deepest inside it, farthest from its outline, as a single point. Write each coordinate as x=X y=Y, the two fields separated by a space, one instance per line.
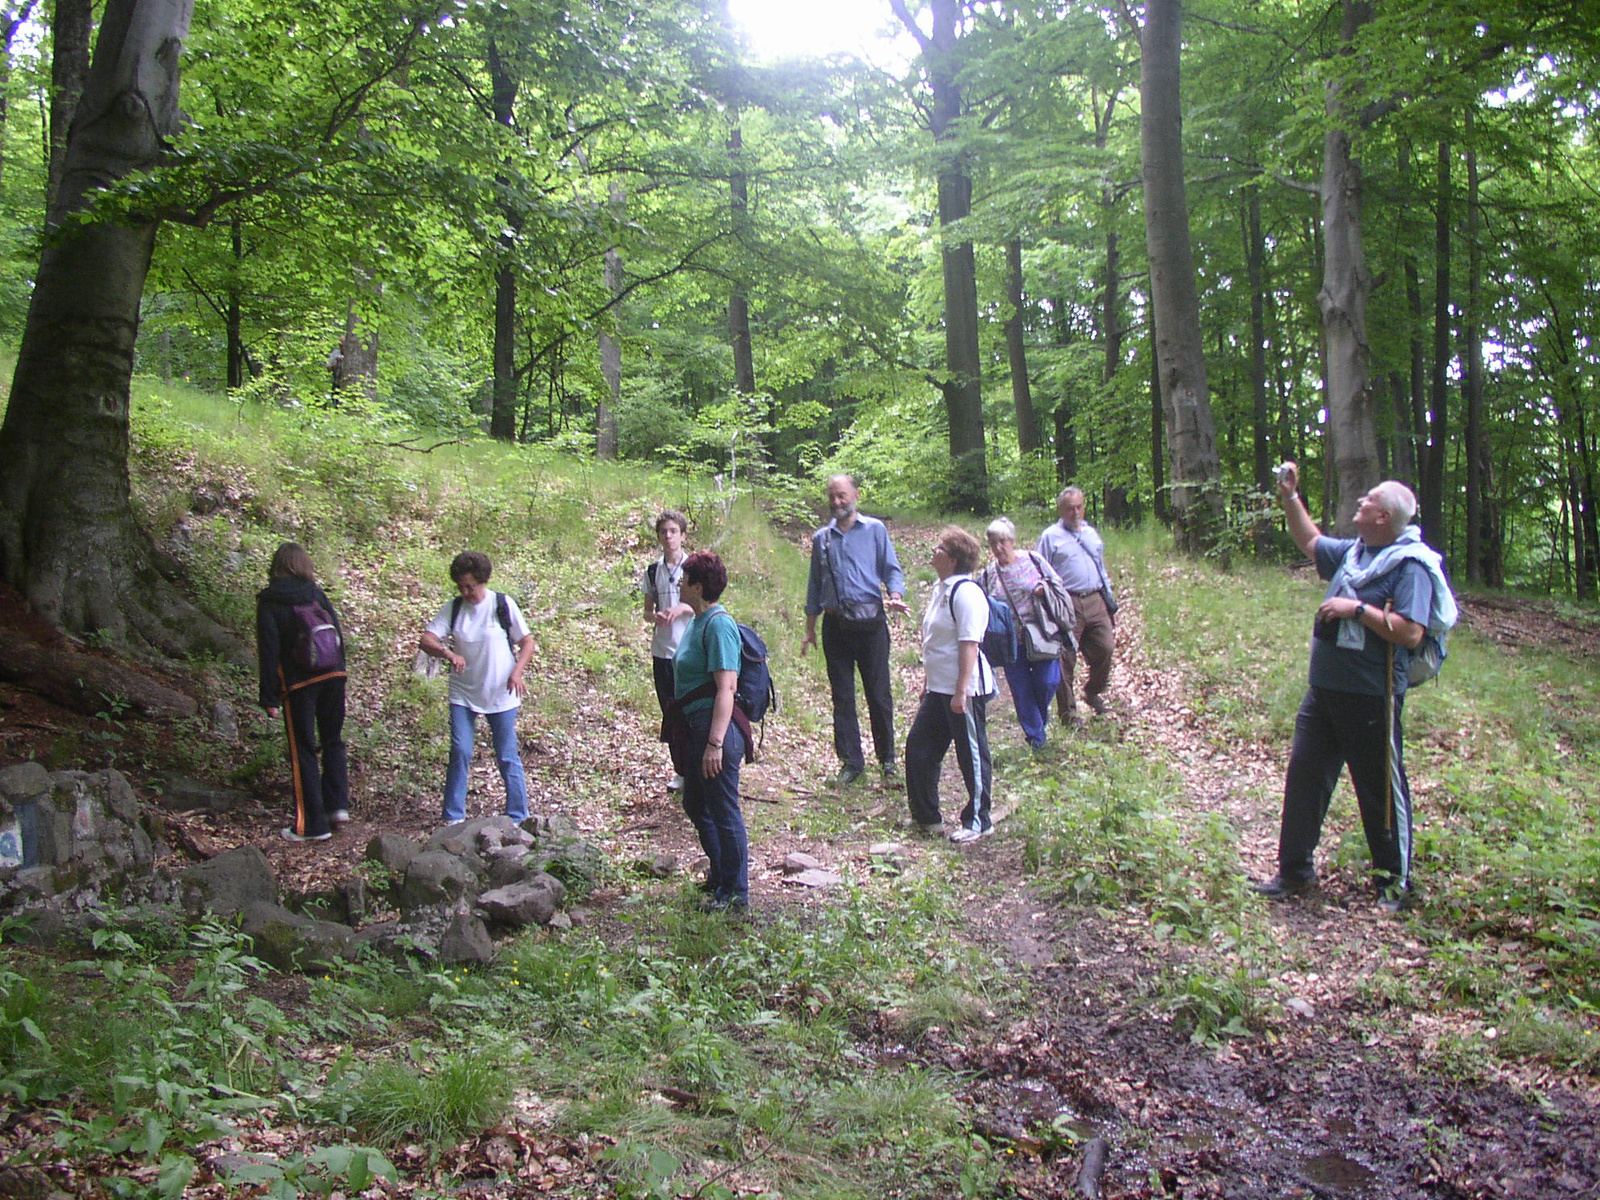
x=503 y=728
x=1032 y=685
x=712 y=806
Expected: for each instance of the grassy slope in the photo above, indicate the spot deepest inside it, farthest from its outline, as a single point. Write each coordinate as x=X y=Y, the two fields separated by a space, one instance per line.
x=766 y=1031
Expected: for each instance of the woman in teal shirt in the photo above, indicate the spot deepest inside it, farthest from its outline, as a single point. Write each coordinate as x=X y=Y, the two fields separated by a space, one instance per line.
x=705 y=672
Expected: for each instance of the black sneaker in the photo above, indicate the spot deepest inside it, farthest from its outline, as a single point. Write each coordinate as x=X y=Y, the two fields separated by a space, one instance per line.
x=849 y=774
x=1098 y=703
x=891 y=771
x=1279 y=888
x=1393 y=898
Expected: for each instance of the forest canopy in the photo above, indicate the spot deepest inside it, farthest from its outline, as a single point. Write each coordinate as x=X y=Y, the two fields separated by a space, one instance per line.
x=610 y=227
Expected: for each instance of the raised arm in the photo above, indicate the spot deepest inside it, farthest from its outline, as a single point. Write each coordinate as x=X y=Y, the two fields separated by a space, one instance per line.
x=1302 y=528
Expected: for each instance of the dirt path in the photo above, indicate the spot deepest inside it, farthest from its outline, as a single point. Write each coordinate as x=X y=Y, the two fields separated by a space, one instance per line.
x=1350 y=1092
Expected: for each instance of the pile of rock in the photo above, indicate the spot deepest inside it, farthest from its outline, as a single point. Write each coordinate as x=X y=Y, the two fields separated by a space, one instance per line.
x=454 y=892
x=74 y=840
x=74 y=851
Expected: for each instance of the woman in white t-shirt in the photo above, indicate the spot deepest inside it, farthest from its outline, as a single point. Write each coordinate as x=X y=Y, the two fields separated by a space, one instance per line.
x=959 y=682
x=486 y=641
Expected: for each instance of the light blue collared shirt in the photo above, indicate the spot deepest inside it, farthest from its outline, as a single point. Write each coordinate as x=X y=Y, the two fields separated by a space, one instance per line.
x=852 y=566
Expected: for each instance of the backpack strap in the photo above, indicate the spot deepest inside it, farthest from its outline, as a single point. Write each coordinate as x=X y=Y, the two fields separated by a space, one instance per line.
x=983 y=659
x=502 y=612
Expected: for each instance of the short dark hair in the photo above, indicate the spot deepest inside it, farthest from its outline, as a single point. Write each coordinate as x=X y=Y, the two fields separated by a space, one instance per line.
x=471 y=562
x=292 y=559
x=962 y=548
x=706 y=569
x=673 y=515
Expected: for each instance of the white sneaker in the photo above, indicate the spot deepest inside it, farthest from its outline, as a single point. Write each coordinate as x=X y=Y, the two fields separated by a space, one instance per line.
x=675 y=784
x=964 y=835
x=338 y=817
x=289 y=835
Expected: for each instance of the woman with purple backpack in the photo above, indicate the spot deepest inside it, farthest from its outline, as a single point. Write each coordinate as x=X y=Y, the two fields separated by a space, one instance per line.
x=301 y=650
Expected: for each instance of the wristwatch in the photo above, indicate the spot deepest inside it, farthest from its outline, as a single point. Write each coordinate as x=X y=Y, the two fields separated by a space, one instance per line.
x=1361 y=610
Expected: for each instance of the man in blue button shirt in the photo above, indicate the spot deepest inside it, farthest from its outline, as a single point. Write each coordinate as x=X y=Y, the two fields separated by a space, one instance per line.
x=853 y=565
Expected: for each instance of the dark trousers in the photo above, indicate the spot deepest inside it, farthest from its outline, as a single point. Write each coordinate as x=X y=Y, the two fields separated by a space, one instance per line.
x=712 y=806
x=847 y=652
x=933 y=731
x=1096 y=639
x=1333 y=730
x=314 y=718
x=661 y=668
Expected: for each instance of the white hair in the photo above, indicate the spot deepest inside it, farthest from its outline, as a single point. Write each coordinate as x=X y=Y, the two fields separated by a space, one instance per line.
x=1399 y=501
x=1001 y=527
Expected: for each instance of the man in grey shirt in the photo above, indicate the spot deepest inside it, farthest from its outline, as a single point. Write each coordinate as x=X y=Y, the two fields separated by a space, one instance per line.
x=1075 y=550
x=852 y=565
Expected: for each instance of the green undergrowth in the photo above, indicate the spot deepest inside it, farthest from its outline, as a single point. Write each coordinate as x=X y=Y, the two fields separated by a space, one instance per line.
x=1503 y=754
x=686 y=1044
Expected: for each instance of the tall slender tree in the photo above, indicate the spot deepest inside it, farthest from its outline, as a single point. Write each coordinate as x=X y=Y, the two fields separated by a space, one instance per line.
x=1197 y=502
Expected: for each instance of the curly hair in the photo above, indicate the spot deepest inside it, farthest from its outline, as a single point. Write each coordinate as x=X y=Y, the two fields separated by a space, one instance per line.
x=471 y=562
x=706 y=569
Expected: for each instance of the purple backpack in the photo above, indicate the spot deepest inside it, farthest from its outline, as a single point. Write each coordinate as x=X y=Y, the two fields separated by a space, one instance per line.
x=317 y=646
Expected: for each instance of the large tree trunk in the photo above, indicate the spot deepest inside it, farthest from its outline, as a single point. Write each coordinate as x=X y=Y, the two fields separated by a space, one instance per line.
x=1433 y=527
x=68 y=538
x=233 y=312
x=1028 y=440
x=605 y=417
x=1256 y=255
x=69 y=69
x=1186 y=402
x=744 y=362
x=359 y=366
x=1473 y=353
x=1346 y=285
x=963 y=382
x=502 y=355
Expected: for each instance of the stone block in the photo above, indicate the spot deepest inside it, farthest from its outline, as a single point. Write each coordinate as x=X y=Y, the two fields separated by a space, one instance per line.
x=229 y=883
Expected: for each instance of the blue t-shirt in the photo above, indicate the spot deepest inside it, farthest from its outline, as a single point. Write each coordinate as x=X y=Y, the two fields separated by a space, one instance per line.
x=1361 y=671
x=711 y=643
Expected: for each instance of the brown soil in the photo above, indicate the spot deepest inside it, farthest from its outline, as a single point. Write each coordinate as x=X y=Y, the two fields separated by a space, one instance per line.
x=1343 y=1095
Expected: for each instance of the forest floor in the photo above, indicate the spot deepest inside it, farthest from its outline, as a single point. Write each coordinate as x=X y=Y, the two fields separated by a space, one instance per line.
x=1341 y=1096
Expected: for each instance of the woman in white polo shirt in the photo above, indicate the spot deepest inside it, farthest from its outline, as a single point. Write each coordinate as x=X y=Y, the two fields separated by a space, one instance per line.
x=956 y=695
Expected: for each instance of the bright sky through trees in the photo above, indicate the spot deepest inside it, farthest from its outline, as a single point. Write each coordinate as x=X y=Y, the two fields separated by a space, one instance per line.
x=780 y=29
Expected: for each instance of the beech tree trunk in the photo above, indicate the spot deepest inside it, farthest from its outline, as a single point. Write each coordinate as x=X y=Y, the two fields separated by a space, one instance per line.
x=69 y=541
x=69 y=69
x=1476 y=454
x=359 y=366
x=1346 y=286
x=1186 y=403
x=605 y=417
x=1028 y=440
x=963 y=383
x=1256 y=255
x=1432 y=498
x=502 y=355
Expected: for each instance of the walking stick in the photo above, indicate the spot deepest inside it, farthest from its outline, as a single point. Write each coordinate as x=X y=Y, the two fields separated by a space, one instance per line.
x=1388 y=731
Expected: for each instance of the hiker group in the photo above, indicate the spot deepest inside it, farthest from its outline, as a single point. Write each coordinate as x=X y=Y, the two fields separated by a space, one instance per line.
x=1030 y=614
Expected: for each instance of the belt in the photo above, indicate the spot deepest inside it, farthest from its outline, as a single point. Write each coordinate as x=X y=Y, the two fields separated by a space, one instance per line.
x=1090 y=592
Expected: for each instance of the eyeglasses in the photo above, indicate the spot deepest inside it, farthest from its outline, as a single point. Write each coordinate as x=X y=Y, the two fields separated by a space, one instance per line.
x=939 y=549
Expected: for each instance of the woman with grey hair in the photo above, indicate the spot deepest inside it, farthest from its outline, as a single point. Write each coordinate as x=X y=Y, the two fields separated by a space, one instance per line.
x=1043 y=609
